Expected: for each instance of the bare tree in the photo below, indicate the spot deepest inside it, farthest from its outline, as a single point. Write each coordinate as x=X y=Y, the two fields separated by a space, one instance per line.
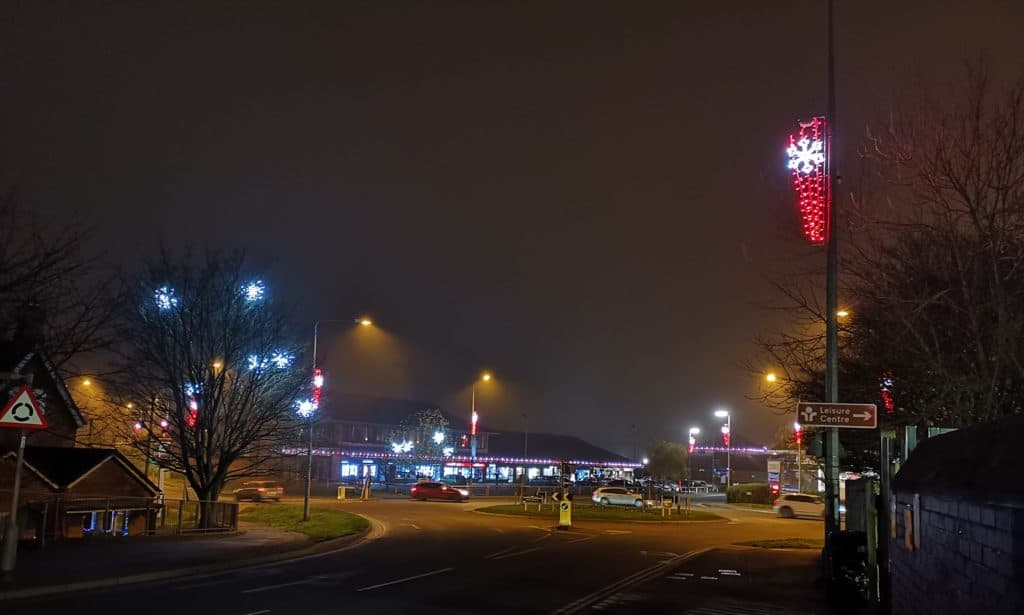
x=208 y=362
x=44 y=269
x=933 y=269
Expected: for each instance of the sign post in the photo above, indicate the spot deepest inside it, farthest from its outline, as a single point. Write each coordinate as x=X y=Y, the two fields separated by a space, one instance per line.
x=843 y=416
x=21 y=412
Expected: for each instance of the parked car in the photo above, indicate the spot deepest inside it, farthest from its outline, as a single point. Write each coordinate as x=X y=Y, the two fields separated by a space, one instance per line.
x=619 y=482
x=617 y=495
x=790 y=505
x=259 y=490
x=438 y=491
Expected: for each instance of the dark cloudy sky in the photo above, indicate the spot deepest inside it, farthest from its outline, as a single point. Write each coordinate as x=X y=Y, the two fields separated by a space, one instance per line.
x=585 y=197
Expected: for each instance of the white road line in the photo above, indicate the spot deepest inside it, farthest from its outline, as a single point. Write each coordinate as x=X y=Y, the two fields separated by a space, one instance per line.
x=500 y=531
x=412 y=578
x=618 y=531
x=278 y=586
x=543 y=537
x=518 y=553
x=198 y=585
x=502 y=552
x=543 y=529
x=412 y=525
x=581 y=539
x=259 y=612
x=709 y=578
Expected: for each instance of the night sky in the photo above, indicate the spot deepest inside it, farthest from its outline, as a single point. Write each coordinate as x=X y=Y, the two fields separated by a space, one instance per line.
x=585 y=197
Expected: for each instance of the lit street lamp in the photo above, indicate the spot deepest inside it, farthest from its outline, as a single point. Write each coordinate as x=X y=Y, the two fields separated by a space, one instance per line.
x=307 y=408
x=474 y=418
x=727 y=436
x=770 y=377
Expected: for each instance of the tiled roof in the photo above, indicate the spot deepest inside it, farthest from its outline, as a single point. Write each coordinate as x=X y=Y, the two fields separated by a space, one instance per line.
x=547 y=446
x=383 y=410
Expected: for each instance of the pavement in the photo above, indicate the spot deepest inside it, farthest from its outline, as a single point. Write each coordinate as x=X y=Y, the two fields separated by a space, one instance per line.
x=442 y=557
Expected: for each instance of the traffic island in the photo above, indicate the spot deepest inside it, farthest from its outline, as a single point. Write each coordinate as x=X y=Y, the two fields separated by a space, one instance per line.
x=324 y=523
x=602 y=513
x=784 y=543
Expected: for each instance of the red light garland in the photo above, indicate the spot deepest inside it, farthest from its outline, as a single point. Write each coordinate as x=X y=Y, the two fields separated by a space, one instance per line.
x=808 y=160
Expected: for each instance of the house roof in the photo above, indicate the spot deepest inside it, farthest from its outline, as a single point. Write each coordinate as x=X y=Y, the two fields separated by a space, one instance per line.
x=13 y=359
x=971 y=460
x=63 y=467
x=548 y=446
x=383 y=410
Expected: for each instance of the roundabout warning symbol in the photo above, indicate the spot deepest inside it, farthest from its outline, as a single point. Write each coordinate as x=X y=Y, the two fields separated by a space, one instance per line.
x=23 y=411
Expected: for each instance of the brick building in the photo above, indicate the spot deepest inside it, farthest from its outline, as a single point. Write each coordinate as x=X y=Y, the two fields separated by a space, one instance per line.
x=957 y=532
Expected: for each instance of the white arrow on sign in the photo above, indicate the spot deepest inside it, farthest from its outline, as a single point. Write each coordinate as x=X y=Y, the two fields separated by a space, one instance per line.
x=862 y=415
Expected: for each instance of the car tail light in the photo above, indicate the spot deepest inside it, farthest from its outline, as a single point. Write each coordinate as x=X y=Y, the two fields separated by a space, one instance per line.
x=260 y=489
x=775 y=503
x=414 y=489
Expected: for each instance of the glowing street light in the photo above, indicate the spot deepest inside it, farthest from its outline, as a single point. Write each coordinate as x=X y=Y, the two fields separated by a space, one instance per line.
x=87 y=382
x=365 y=322
x=727 y=437
x=770 y=377
x=842 y=313
x=474 y=417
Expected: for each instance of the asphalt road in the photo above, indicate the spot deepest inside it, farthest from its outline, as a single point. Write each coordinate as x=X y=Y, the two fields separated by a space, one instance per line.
x=440 y=557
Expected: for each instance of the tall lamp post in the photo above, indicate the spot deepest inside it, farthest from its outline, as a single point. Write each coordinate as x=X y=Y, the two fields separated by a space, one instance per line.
x=799 y=454
x=474 y=418
x=689 y=451
x=727 y=436
x=308 y=407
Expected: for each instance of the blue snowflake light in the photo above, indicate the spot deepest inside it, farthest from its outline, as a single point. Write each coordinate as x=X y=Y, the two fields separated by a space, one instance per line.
x=254 y=291
x=164 y=298
x=281 y=360
x=305 y=408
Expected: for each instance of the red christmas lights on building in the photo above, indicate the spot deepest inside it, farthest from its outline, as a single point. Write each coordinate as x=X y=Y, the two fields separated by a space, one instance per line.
x=808 y=160
x=318 y=385
x=886 y=387
x=725 y=435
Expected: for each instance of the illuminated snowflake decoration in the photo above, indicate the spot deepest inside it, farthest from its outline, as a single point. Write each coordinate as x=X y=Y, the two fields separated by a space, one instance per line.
x=191 y=390
x=254 y=291
x=448 y=451
x=438 y=437
x=805 y=155
x=401 y=447
x=164 y=298
x=305 y=408
x=281 y=360
x=255 y=362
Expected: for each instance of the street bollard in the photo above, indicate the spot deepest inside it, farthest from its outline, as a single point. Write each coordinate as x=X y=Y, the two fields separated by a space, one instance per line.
x=341 y=492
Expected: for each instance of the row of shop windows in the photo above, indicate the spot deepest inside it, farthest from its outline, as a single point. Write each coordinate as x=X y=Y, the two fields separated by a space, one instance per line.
x=488 y=472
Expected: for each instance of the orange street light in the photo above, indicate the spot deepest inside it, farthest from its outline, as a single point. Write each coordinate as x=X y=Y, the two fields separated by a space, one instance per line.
x=771 y=377
x=842 y=313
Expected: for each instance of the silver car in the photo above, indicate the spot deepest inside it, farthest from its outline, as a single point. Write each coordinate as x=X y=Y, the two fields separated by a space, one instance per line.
x=617 y=495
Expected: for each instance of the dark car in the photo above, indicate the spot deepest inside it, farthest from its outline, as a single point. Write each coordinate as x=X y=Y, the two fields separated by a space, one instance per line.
x=438 y=491
x=259 y=490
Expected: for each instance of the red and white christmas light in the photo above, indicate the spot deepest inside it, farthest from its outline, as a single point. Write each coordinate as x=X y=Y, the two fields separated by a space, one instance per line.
x=808 y=153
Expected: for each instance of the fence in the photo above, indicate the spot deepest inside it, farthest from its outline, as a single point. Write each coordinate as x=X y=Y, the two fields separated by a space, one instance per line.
x=44 y=520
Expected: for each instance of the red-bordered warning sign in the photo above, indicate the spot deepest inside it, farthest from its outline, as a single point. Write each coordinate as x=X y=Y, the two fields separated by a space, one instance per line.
x=23 y=411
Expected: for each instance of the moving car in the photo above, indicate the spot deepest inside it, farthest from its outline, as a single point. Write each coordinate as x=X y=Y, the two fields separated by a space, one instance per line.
x=790 y=505
x=617 y=495
x=259 y=490
x=438 y=491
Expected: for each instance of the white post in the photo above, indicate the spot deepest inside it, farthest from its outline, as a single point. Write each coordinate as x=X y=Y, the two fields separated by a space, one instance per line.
x=11 y=536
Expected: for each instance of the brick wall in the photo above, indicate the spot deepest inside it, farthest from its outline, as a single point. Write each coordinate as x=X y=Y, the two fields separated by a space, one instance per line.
x=969 y=560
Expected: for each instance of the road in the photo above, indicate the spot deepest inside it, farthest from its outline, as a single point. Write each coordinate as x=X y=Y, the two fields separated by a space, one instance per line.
x=440 y=557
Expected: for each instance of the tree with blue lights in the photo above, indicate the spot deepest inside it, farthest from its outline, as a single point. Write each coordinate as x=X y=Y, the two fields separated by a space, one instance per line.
x=209 y=359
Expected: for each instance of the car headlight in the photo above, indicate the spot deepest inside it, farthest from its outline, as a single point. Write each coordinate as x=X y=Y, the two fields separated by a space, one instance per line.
x=464 y=492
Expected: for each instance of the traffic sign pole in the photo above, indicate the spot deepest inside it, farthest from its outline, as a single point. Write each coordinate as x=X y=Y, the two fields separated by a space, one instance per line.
x=10 y=553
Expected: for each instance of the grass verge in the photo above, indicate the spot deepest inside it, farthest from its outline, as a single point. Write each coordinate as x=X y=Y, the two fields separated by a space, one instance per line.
x=785 y=543
x=752 y=505
x=601 y=513
x=323 y=524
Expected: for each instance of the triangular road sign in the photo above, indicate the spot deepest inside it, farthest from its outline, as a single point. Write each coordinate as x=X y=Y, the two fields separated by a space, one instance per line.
x=23 y=411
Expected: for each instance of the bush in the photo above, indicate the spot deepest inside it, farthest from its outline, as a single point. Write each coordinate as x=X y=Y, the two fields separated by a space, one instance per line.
x=748 y=493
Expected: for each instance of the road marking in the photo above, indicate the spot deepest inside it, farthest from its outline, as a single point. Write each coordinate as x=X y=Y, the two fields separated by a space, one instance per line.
x=500 y=531
x=709 y=578
x=518 y=553
x=412 y=525
x=542 y=537
x=581 y=539
x=634 y=579
x=278 y=586
x=728 y=573
x=412 y=578
x=198 y=585
x=618 y=531
x=659 y=554
x=259 y=612
x=543 y=529
x=502 y=552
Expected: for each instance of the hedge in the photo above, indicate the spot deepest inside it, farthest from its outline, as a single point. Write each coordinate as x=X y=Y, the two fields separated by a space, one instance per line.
x=748 y=493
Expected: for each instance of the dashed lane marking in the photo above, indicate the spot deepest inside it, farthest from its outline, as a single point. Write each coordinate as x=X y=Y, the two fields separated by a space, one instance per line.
x=266 y=588
x=412 y=578
x=259 y=612
x=517 y=553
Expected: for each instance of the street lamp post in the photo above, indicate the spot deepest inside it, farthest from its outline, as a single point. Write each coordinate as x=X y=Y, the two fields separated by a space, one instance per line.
x=689 y=452
x=473 y=419
x=799 y=454
x=311 y=406
x=727 y=430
